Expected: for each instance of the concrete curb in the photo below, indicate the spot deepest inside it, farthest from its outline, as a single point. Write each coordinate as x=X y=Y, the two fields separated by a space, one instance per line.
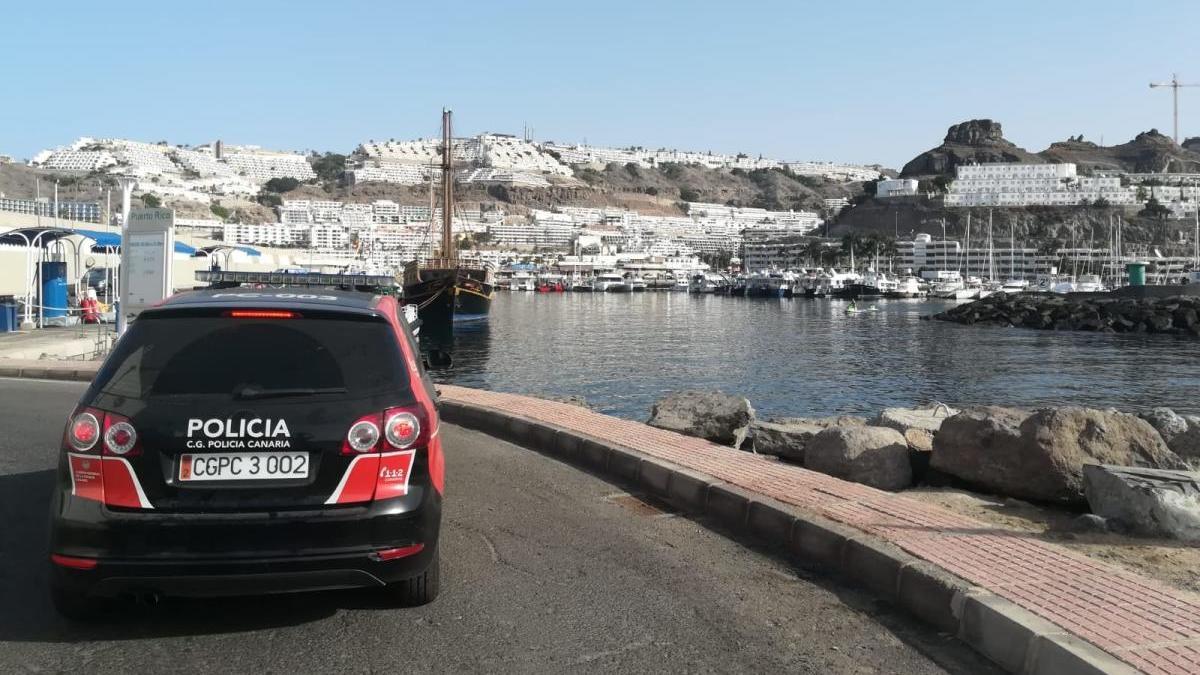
x=1010 y=636
x=76 y=371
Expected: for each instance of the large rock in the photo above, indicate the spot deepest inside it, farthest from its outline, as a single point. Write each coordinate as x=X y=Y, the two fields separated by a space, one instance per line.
x=784 y=440
x=824 y=422
x=1150 y=502
x=903 y=419
x=1040 y=455
x=788 y=437
x=1182 y=434
x=875 y=456
x=980 y=446
x=1166 y=422
x=712 y=415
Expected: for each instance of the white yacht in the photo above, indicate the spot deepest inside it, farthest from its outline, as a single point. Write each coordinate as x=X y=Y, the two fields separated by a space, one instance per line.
x=632 y=283
x=835 y=282
x=1089 y=283
x=1015 y=286
x=609 y=282
x=908 y=287
x=707 y=282
x=523 y=281
x=950 y=286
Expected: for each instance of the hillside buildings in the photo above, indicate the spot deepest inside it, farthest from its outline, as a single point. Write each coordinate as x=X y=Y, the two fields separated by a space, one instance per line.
x=194 y=174
x=1013 y=184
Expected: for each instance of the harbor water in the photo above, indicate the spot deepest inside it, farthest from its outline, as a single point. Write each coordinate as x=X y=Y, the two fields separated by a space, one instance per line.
x=804 y=357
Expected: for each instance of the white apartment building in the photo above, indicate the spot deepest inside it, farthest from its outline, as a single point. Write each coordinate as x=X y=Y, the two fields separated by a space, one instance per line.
x=768 y=255
x=402 y=174
x=1014 y=184
x=73 y=160
x=269 y=234
x=834 y=205
x=90 y=212
x=512 y=160
x=532 y=235
x=1000 y=262
x=328 y=237
x=261 y=166
x=924 y=252
x=488 y=176
x=896 y=187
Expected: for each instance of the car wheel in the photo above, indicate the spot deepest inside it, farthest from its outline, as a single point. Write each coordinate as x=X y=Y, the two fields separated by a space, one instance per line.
x=421 y=589
x=76 y=606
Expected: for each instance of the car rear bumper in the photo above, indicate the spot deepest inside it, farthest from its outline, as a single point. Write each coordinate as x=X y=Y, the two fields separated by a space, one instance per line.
x=216 y=578
x=205 y=555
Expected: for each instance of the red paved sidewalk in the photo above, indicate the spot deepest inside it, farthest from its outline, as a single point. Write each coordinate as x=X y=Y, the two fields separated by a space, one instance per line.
x=1144 y=623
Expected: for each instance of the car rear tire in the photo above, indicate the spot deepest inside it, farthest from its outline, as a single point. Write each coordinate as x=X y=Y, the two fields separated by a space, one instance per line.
x=76 y=606
x=421 y=589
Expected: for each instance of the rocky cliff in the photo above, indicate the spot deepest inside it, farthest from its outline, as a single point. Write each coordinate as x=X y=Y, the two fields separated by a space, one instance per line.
x=1148 y=152
x=982 y=141
x=971 y=142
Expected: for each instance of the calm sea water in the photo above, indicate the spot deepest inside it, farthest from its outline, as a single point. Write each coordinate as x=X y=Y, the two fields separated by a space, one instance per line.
x=805 y=357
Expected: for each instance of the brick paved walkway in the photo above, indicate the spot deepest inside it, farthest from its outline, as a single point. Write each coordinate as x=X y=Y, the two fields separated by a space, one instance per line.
x=1147 y=624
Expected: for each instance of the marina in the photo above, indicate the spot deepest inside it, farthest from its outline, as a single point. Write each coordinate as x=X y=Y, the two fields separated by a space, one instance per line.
x=798 y=357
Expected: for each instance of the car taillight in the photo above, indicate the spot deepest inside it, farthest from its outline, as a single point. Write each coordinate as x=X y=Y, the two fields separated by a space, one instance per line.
x=120 y=438
x=385 y=447
x=406 y=427
x=363 y=436
x=93 y=430
x=84 y=431
x=402 y=429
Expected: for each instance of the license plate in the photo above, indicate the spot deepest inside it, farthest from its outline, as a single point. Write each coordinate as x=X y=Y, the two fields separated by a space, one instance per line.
x=243 y=466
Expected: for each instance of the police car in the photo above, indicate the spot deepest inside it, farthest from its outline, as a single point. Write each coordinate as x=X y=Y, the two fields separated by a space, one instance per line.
x=243 y=441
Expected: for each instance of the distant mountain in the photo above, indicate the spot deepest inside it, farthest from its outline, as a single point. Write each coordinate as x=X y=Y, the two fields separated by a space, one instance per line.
x=982 y=142
x=1148 y=152
x=971 y=142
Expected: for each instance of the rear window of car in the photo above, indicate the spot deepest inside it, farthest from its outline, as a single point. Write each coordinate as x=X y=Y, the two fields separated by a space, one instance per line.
x=174 y=356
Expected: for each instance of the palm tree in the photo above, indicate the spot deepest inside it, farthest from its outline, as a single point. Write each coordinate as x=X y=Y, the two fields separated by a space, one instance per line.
x=815 y=251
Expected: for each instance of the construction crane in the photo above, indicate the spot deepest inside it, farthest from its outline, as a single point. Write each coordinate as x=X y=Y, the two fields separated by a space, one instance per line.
x=1174 y=84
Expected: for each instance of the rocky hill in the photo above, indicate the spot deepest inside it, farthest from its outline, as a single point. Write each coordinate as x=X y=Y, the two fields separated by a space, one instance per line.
x=1148 y=152
x=652 y=191
x=971 y=142
x=982 y=141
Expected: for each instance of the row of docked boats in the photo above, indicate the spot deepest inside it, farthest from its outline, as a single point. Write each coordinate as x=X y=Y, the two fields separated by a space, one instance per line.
x=608 y=282
x=820 y=283
x=817 y=283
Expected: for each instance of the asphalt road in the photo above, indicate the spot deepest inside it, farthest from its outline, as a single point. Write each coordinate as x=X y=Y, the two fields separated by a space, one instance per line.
x=545 y=568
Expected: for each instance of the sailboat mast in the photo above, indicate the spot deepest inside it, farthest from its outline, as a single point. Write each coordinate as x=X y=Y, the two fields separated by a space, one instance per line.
x=448 y=251
x=991 y=251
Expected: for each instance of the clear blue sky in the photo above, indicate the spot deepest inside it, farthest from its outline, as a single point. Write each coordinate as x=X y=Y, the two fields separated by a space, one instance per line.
x=850 y=81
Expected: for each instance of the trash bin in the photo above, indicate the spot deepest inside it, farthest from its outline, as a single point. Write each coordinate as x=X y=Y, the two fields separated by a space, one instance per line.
x=1137 y=273
x=8 y=318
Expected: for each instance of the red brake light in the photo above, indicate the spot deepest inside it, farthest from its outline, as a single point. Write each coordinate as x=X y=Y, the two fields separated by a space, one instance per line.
x=84 y=431
x=262 y=314
x=402 y=429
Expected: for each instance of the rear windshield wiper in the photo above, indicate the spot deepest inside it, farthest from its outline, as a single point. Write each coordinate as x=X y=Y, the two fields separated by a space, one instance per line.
x=249 y=392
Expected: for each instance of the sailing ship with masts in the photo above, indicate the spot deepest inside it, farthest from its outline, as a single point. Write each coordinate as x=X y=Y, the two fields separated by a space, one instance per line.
x=445 y=289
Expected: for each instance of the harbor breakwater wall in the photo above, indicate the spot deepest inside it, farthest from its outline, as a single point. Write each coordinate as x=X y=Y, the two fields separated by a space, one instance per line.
x=1103 y=313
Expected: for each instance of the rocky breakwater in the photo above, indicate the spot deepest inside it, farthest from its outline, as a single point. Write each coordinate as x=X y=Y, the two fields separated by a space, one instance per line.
x=1178 y=315
x=1135 y=473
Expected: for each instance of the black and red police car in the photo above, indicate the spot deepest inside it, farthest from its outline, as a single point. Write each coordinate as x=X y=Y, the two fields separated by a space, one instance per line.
x=246 y=441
